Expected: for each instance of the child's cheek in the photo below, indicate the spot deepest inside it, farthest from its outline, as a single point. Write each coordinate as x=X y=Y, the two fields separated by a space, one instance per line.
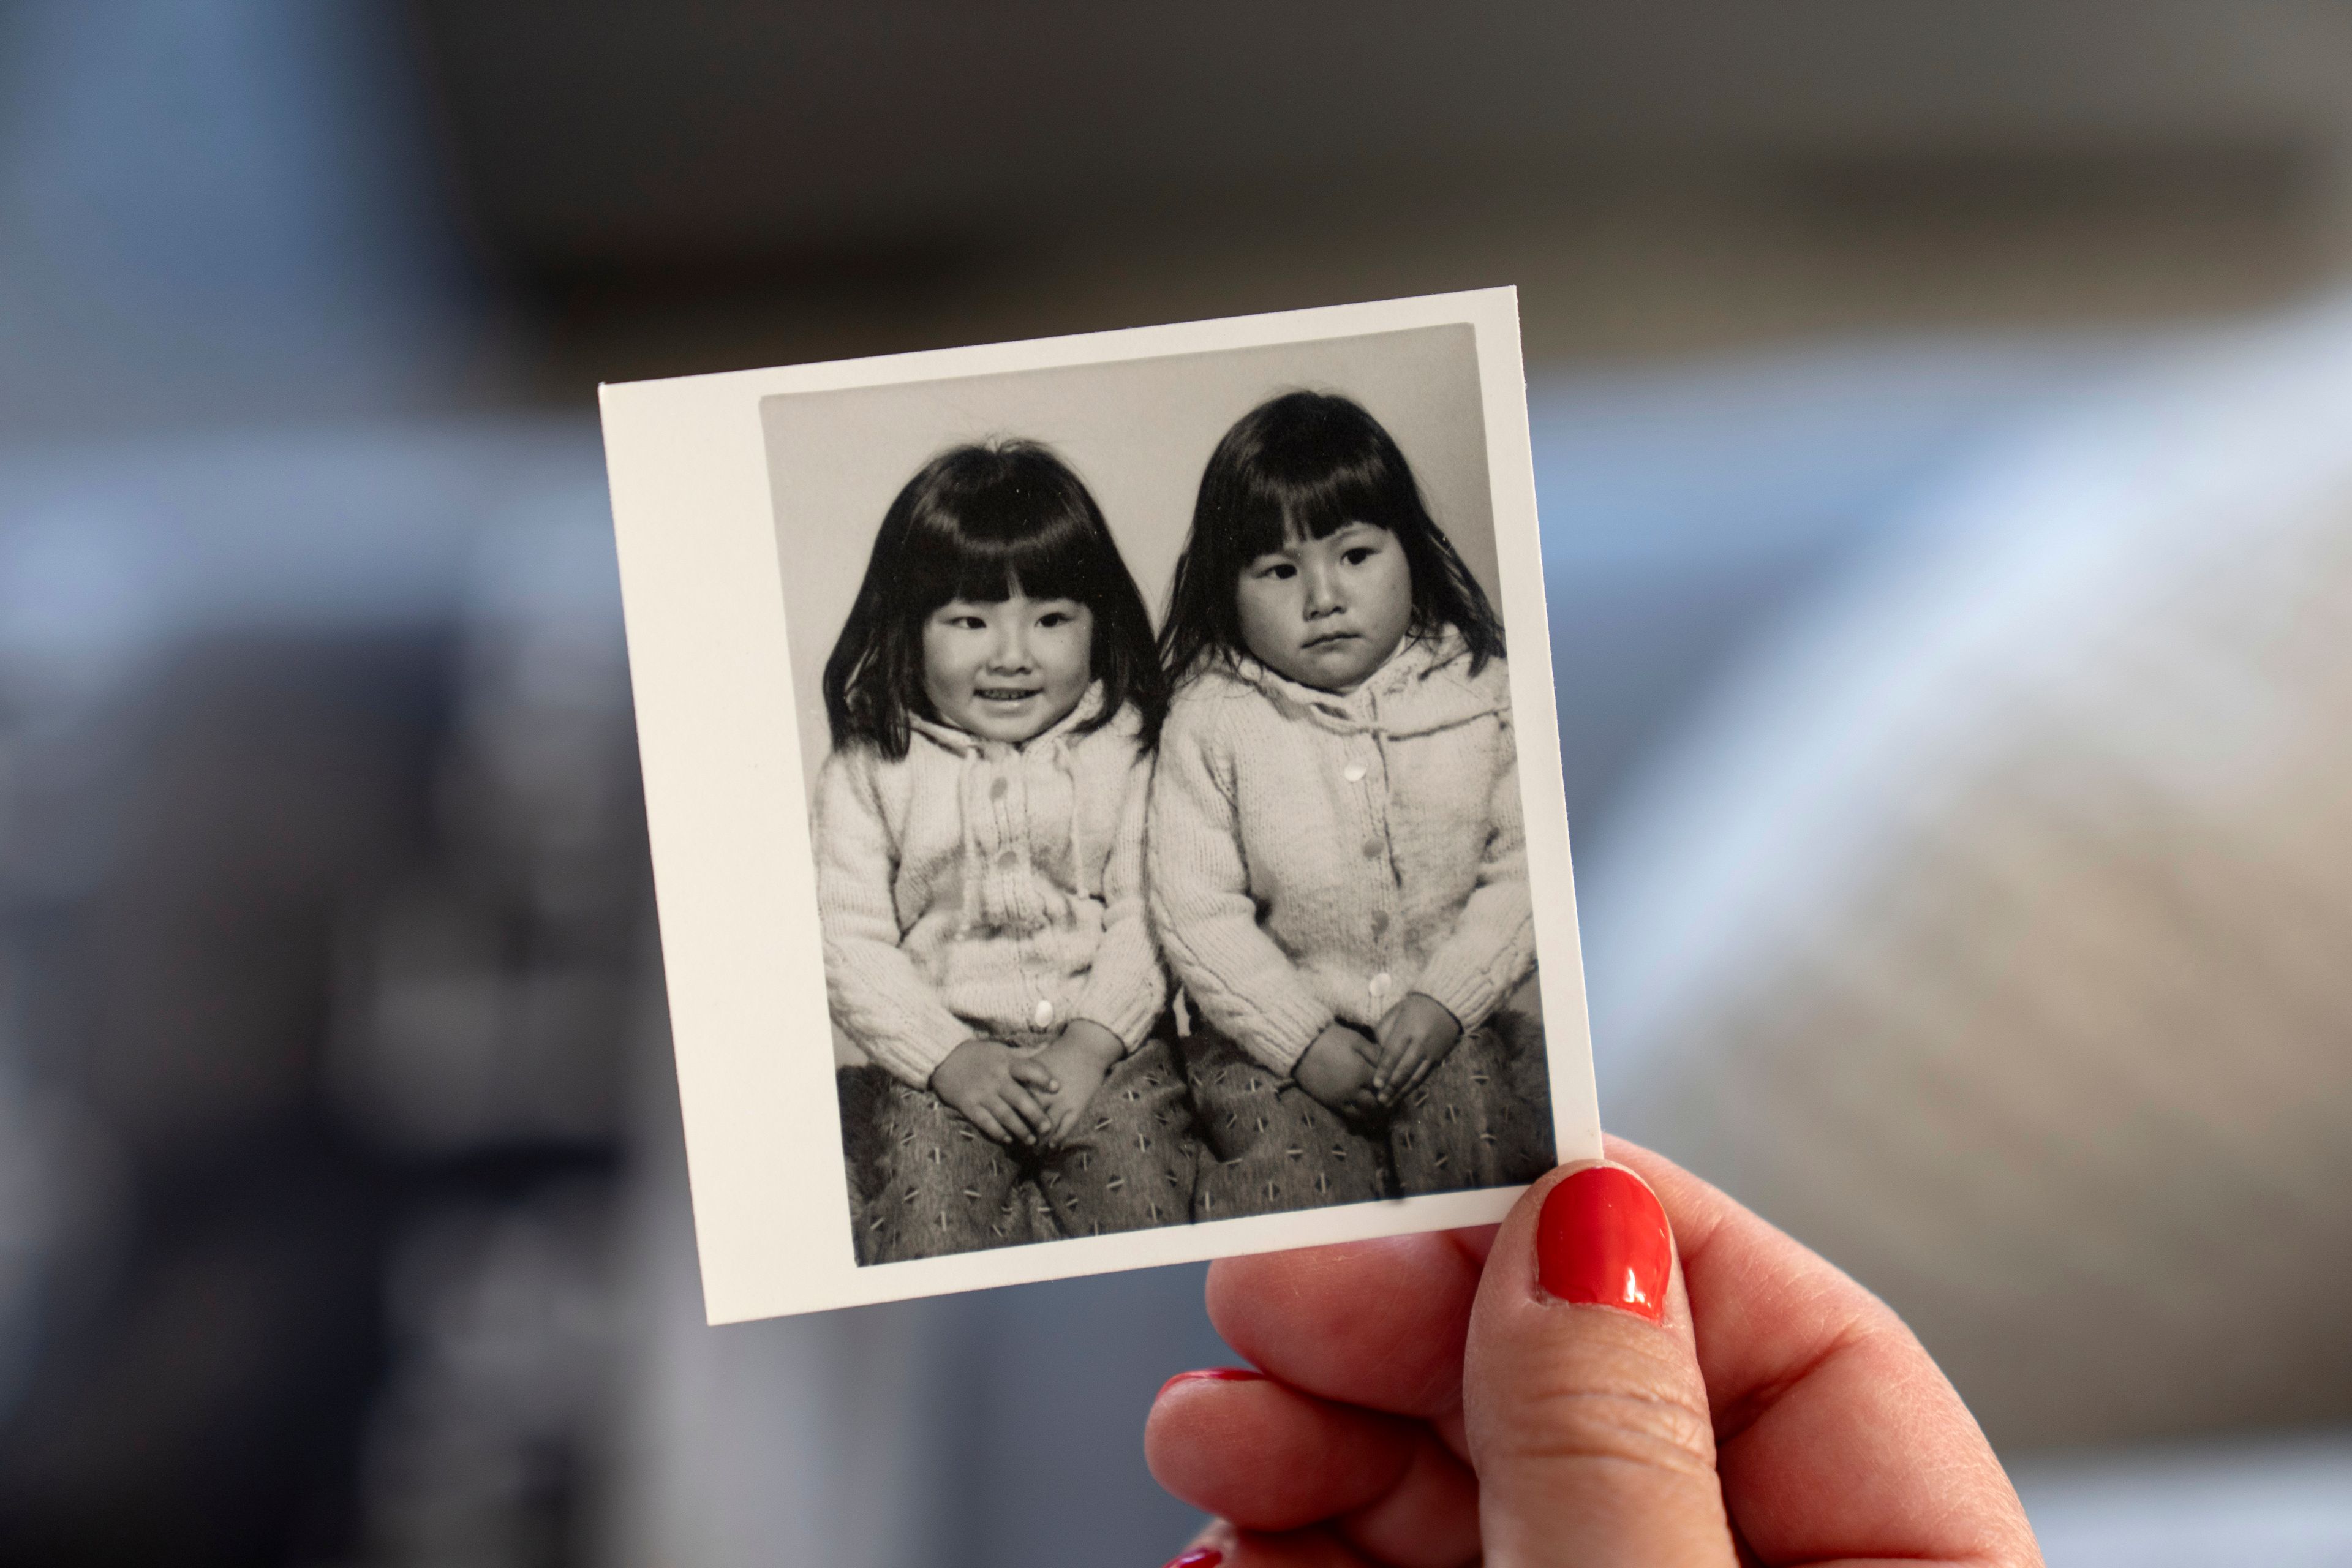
x=1255 y=608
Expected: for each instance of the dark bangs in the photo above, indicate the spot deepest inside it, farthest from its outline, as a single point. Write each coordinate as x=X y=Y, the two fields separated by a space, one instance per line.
x=1304 y=466
x=1322 y=475
x=998 y=521
x=982 y=523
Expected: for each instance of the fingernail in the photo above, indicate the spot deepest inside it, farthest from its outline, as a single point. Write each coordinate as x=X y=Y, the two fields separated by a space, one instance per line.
x=1198 y=1557
x=1213 y=1374
x=1601 y=1240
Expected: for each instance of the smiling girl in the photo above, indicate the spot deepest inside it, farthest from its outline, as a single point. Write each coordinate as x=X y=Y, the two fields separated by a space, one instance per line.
x=1336 y=867
x=979 y=827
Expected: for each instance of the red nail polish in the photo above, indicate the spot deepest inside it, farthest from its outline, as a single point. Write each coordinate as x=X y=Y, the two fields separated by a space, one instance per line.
x=1602 y=1240
x=1213 y=1374
x=1198 y=1557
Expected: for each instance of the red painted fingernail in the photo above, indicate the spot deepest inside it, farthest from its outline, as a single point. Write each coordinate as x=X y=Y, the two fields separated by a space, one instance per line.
x=1213 y=1374
x=1198 y=1557
x=1602 y=1240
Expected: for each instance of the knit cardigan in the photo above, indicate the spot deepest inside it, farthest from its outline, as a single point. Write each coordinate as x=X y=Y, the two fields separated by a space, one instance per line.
x=976 y=889
x=1314 y=858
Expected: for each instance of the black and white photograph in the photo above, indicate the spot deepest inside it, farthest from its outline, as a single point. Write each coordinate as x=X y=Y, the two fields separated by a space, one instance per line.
x=1185 y=874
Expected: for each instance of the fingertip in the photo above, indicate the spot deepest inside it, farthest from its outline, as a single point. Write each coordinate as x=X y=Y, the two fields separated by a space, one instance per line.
x=1205 y=1375
x=1268 y=1456
x=1602 y=1240
x=1204 y=1553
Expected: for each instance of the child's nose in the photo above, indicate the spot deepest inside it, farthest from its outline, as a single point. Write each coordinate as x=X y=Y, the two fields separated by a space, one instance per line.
x=1012 y=649
x=1322 y=590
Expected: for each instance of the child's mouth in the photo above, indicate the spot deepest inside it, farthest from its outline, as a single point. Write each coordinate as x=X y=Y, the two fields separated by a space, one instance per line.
x=1003 y=694
x=1330 y=639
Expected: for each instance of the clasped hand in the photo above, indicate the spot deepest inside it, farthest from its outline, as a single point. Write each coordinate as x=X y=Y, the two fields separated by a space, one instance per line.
x=1362 y=1078
x=1034 y=1100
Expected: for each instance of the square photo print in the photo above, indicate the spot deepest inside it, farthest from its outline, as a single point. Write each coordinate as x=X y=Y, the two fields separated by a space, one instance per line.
x=1104 y=797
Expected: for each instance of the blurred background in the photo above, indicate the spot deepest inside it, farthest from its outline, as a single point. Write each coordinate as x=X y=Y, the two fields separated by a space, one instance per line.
x=1944 y=434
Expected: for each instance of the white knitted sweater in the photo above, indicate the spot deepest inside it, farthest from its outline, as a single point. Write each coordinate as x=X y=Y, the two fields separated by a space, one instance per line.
x=981 y=891
x=1313 y=857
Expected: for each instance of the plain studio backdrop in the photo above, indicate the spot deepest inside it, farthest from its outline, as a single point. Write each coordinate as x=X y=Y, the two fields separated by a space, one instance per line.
x=1138 y=432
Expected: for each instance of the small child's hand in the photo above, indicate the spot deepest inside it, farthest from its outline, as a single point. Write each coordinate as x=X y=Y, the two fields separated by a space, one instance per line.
x=1337 y=1070
x=1414 y=1037
x=1079 y=1059
x=991 y=1085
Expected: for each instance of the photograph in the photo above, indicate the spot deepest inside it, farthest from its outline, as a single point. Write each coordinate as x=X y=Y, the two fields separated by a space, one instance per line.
x=1174 y=792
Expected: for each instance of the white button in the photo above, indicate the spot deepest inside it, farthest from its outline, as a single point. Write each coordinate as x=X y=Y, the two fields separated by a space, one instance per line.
x=1353 y=773
x=1044 y=1013
x=1381 y=983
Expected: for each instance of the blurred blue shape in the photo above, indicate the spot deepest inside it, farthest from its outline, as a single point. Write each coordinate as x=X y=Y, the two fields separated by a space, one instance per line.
x=214 y=210
x=1686 y=508
x=2285 y=1502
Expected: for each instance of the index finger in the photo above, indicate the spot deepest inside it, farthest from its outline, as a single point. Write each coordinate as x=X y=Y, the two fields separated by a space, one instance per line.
x=1023 y=1105
x=1379 y=1323
x=1035 y=1073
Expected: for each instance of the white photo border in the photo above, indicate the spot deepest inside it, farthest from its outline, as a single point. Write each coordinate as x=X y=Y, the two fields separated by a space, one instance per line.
x=702 y=592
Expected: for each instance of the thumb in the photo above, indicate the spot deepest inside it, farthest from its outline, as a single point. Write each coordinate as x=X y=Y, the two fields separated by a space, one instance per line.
x=1586 y=1416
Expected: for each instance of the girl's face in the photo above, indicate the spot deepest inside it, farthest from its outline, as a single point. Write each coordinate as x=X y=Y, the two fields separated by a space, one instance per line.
x=1008 y=670
x=1327 y=612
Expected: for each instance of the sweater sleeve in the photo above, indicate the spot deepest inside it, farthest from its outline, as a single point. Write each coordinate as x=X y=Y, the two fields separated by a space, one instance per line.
x=1201 y=907
x=1493 y=944
x=878 y=997
x=1126 y=986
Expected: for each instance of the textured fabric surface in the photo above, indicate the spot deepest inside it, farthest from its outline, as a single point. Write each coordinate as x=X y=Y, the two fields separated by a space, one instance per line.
x=925 y=1182
x=1481 y=1119
x=979 y=889
x=1317 y=856
x=1994 y=939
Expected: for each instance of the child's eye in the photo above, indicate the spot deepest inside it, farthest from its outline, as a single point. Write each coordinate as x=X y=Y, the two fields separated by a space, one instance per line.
x=1275 y=572
x=1056 y=618
x=1356 y=555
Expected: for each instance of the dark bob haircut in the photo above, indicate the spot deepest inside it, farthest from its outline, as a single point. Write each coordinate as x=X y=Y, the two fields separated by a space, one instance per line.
x=983 y=523
x=1305 y=466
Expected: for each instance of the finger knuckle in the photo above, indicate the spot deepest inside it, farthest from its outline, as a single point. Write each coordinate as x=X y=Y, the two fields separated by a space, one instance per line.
x=1640 y=1418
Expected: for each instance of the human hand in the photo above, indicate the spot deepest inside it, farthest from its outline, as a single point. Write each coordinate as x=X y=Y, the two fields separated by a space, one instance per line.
x=1078 y=1058
x=1414 y=1037
x=992 y=1085
x=1337 y=1070
x=1562 y=1391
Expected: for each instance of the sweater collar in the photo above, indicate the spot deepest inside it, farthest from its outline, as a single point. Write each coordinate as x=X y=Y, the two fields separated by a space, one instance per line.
x=964 y=744
x=1425 y=685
